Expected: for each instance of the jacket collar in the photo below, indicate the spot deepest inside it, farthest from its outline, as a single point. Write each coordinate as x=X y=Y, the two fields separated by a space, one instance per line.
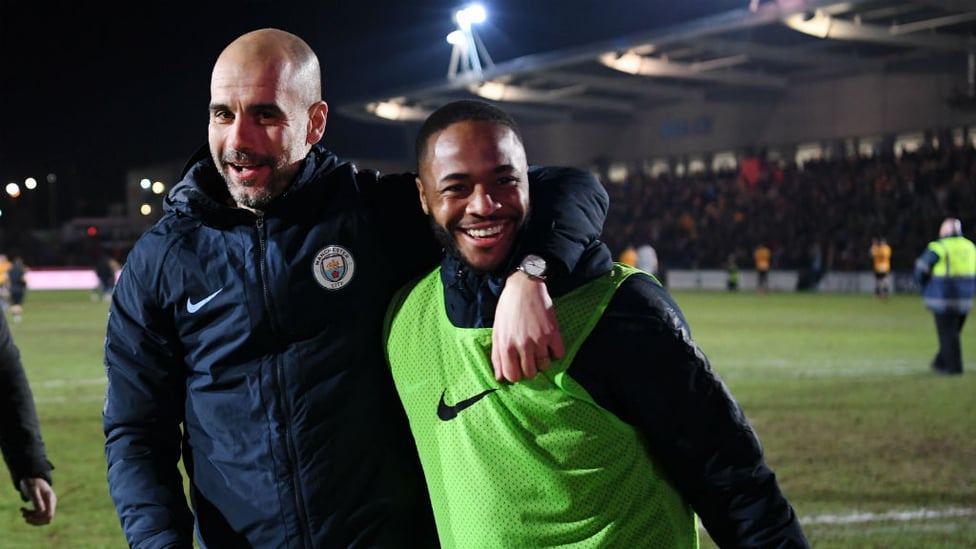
x=470 y=296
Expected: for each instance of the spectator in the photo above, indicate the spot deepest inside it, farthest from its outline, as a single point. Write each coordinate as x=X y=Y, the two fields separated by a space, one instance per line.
x=629 y=256
x=881 y=261
x=106 y=269
x=17 y=279
x=647 y=259
x=731 y=274
x=761 y=257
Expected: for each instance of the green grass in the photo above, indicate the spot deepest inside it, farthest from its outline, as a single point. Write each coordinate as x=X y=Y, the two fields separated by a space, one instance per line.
x=837 y=386
x=839 y=391
x=60 y=340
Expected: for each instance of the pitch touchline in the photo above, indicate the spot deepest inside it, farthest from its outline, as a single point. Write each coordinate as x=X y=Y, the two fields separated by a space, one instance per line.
x=917 y=514
x=890 y=516
x=63 y=382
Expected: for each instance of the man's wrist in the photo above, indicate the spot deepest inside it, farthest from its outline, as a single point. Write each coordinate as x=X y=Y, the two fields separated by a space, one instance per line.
x=534 y=266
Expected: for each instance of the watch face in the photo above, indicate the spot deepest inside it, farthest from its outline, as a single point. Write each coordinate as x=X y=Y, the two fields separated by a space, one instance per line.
x=534 y=265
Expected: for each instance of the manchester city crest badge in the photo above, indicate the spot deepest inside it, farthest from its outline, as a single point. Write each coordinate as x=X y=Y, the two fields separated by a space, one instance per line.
x=333 y=267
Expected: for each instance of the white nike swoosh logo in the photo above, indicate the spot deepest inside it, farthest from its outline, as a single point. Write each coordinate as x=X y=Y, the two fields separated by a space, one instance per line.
x=192 y=307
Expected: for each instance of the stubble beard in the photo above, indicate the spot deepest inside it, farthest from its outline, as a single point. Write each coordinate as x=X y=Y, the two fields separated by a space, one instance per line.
x=445 y=237
x=244 y=192
x=244 y=195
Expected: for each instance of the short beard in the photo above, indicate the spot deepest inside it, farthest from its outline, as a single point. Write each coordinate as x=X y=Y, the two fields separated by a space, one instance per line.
x=446 y=239
x=260 y=200
x=257 y=201
x=445 y=236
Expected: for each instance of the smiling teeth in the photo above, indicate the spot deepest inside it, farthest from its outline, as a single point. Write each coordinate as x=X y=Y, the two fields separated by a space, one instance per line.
x=484 y=233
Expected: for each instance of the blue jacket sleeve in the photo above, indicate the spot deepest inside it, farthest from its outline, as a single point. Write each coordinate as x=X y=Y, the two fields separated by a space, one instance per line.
x=143 y=412
x=923 y=267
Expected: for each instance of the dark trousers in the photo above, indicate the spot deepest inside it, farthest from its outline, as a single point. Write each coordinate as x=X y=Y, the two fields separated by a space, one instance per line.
x=949 y=358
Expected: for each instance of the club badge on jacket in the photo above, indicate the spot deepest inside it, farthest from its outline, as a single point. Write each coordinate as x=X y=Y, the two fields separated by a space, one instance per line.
x=333 y=267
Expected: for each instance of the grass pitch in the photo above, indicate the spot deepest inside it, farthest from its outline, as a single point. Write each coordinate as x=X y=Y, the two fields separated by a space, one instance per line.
x=872 y=449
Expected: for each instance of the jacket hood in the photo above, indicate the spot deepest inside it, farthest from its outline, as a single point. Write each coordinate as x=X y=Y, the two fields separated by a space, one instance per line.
x=202 y=192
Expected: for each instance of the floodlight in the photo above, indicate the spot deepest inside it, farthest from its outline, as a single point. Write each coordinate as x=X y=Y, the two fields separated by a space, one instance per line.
x=472 y=14
x=467 y=52
x=492 y=90
x=456 y=38
x=395 y=109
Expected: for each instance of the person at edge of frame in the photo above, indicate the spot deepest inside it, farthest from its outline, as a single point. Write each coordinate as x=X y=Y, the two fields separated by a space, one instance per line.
x=20 y=435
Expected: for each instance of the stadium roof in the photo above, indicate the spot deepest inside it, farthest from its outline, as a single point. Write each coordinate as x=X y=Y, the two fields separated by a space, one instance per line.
x=756 y=52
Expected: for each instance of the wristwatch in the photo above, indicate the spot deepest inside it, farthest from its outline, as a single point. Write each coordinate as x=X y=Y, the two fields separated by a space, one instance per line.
x=534 y=266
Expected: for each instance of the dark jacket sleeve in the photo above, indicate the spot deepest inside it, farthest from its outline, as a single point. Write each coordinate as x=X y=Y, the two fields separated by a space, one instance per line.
x=568 y=209
x=20 y=429
x=923 y=267
x=400 y=220
x=661 y=382
x=143 y=409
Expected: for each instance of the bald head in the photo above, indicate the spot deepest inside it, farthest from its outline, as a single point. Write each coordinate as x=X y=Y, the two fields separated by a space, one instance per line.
x=950 y=227
x=266 y=114
x=265 y=50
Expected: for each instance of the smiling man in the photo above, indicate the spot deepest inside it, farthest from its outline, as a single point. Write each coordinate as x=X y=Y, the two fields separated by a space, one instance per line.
x=244 y=334
x=476 y=215
x=620 y=442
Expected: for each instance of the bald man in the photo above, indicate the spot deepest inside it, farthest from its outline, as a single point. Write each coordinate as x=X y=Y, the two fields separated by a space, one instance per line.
x=244 y=332
x=946 y=273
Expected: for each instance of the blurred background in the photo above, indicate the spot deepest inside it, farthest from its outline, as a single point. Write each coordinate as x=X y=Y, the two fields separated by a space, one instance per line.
x=808 y=126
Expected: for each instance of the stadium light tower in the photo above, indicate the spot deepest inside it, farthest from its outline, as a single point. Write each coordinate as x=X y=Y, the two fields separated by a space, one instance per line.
x=468 y=55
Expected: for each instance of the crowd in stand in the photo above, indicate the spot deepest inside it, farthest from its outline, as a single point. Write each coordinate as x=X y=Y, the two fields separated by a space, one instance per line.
x=820 y=217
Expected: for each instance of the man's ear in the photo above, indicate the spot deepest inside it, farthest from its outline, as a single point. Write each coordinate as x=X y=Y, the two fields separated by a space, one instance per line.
x=317 y=115
x=423 y=197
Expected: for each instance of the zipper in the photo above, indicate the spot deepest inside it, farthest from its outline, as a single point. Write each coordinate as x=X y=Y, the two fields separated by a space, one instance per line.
x=284 y=404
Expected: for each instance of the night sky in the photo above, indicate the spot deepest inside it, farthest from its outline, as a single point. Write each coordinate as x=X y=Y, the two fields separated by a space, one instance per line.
x=90 y=90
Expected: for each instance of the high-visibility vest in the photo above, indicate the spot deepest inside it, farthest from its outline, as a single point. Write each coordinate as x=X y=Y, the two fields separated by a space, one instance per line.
x=953 y=281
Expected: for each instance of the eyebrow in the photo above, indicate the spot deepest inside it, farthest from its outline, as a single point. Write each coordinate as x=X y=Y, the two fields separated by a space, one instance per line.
x=251 y=108
x=502 y=168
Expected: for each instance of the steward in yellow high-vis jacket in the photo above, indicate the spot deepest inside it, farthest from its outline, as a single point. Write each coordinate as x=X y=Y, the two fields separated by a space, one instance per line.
x=946 y=273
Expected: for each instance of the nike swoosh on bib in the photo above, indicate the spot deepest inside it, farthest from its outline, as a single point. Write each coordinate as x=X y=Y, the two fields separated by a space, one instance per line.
x=192 y=307
x=448 y=412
